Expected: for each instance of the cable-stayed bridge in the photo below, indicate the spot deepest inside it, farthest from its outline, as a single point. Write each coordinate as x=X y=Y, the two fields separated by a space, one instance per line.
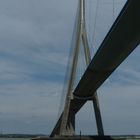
x=121 y=40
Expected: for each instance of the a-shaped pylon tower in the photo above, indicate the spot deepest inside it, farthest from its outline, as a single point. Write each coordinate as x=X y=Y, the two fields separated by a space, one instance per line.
x=66 y=123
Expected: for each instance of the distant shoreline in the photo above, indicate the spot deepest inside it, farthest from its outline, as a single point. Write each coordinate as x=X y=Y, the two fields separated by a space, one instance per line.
x=20 y=135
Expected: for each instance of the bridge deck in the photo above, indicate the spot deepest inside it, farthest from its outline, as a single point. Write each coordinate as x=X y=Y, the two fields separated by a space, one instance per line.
x=122 y=39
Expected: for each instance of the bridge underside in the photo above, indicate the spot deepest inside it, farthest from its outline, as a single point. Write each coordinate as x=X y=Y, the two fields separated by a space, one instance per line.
x=121 y=40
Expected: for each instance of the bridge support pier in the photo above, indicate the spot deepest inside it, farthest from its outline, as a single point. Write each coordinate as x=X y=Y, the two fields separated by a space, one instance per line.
x=68 y=125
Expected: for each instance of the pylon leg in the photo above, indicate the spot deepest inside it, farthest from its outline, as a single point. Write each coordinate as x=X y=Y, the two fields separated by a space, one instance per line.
x=68 y=125
x=98 y=116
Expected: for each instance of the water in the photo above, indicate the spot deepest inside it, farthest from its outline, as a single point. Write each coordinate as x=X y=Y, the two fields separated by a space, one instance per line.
x=15 y=138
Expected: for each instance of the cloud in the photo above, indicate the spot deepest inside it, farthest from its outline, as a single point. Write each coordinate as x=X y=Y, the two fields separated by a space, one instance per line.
x=33 y=57
x=119 y=106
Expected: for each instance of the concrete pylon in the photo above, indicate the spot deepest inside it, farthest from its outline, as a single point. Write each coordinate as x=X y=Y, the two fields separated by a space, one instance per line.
x=67 y=126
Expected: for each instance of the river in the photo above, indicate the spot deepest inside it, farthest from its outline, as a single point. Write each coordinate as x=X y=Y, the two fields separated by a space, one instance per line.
x=15 y=138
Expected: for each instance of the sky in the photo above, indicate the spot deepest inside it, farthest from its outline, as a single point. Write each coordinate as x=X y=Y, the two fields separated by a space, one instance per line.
x=35 y=41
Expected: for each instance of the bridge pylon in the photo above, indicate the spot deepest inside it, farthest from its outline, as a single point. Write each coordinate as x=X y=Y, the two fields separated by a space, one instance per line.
x=67 y=123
